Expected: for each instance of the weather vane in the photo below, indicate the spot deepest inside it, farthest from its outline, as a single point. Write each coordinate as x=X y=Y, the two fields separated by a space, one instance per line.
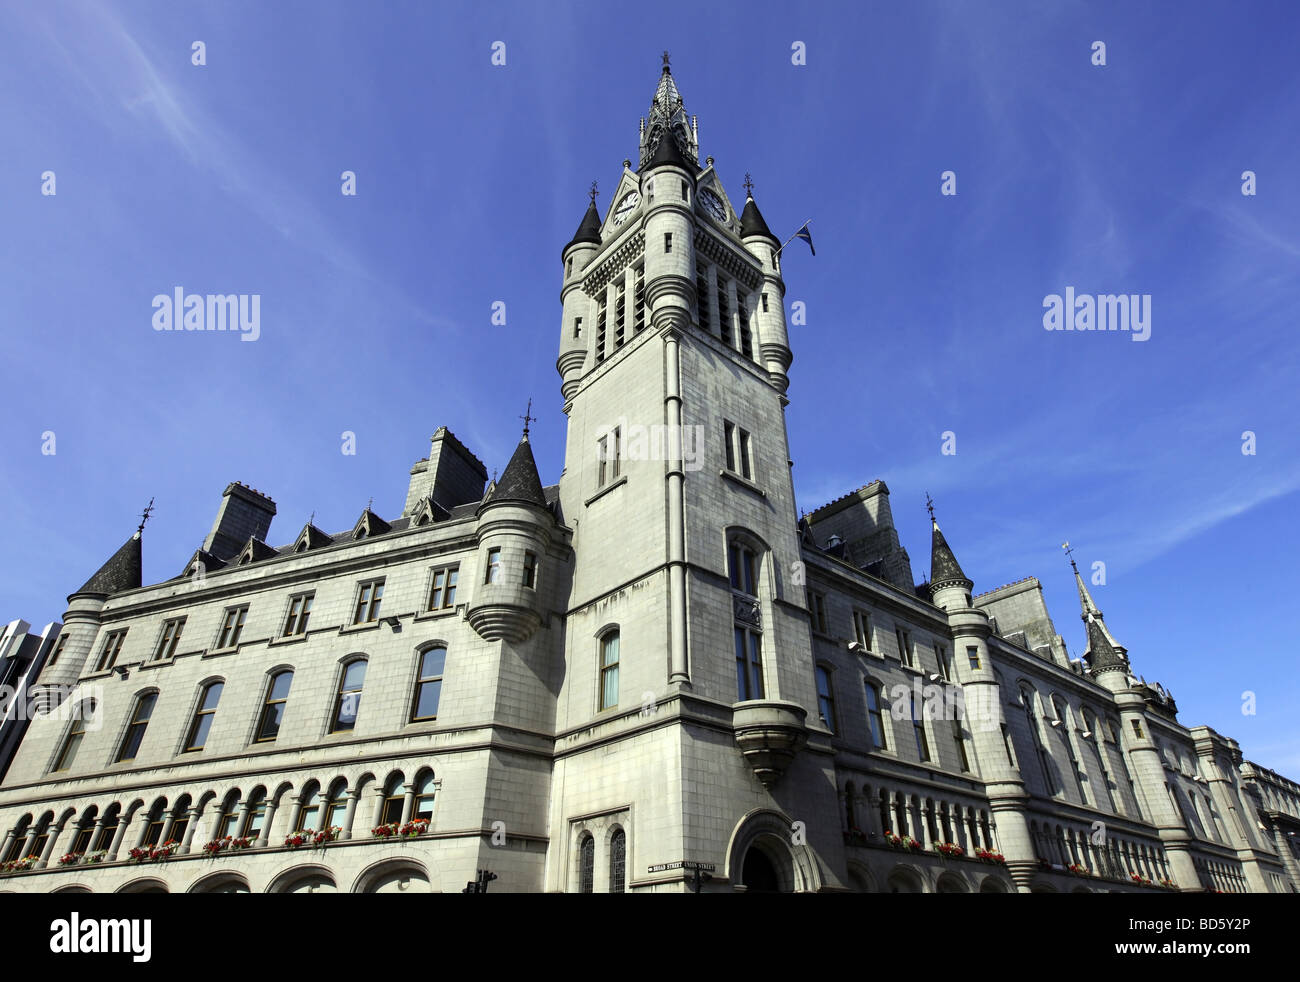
x=749 y=185
x=593 y=192
x=369 y=503
x=144 y=516
x=1069 y=552
x=666 y=65
x=312 y=520
x=929 y=505
x=528 y=416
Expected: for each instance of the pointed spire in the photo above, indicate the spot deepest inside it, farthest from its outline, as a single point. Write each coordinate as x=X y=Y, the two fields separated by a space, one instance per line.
x=667 y=119
x=1104 y=652
x=589 y=227
x=751 y=219
x=520 y=481
x=123 y=571
x=944 y=568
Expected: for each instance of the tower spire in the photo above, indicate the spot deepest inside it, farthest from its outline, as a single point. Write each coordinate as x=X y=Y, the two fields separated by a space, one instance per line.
x=667 y=118
x=944 y=569
x=1104 y=652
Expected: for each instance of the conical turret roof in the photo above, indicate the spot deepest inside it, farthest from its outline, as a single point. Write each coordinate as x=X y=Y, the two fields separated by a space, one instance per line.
x=1104 y=652
x=751 y=222
x=520 y=482
x=589 y=228
x=123 y=571
x=944 y=568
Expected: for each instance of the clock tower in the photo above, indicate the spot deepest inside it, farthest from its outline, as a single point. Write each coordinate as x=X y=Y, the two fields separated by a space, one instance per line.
x=687 y=625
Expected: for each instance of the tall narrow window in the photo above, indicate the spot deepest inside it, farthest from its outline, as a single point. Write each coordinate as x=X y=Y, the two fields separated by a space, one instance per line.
x=959 y=740
x=309 y=813
x=749 y=664
x=424 y=791
x=746 y=456
x=394 y=801
x=729 y=438
x=530 y=570
x=135 y=729
x=277 y=694
x=973 y=654
x=945 y=661
x=299 y=611
x=600 y=329
x=825 y=698
x=702 y=297
x=764 y=303
x=668 y=242
x=232 y=624
x=724 y=312
x=602 y=461
x=741 y=560
x=492 y=572
x=620 y=314
x=875 y=720
x=369 y=596
x=862 y=628
x=587 y=864
x=609 y=656
x=171 y=636
x=81 y=715
x=428 y=687
x=442 y=593
x=154 y=822
x=817 y=608
x=746 y=336
x=904 y=646
x=577 y=328
x=918 y=727
x=336 y=804
x=618 y=860
x=616 y=446
x=255 y=817
x=638 y=301
x=204 y=715
x=348 y=701
x=112 y=648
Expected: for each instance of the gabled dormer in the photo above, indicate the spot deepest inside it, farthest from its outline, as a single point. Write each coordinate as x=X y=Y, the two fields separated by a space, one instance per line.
x=311 y=538
x=200 y=560
x=254 y=551
x=369 y=525
x=427 y=512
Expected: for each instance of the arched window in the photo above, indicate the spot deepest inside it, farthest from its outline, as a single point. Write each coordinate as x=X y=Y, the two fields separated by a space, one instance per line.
x=875 y=719
x=348 y=700
x=1027 y=703
x=618 y=861
x=743 y=558
x=428 y=686
x=84 y=829
x=609 y=655
x=309 y=812
x=825 y=697
x=180 y=817
x=742 y=565
x=256 y=817
x=135 y=729
x=154 y=822
x=228 y=819
x=204 y=715
x=81 y=716
x=394 y=798
x=108 y=830
x=587 y=864
x=424 y=790
x=277 y=694
x=336 y=805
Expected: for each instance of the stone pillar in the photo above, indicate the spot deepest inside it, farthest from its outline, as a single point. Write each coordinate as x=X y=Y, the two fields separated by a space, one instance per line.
x=9 y=838
x=408 y=802
x=54 y=832
x=350 y=813
x=265 y=835
x=94 y=835
x=191 y=826
x=122 y=822
x=295 y=814
x=676 y=478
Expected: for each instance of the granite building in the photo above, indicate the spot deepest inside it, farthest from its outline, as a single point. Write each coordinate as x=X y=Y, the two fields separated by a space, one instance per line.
x=652 y=676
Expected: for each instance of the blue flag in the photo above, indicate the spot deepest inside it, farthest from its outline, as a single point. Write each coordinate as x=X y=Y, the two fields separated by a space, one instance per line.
x=804 y=234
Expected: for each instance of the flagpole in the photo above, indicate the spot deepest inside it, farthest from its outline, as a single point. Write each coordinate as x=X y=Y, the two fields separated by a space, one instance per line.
x=792 y=238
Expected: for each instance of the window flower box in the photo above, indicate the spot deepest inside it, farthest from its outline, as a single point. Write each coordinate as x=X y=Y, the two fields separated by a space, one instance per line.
x=989 y=856
x=1169 y=884
x=242 y=842
x=71 y=859
x=951 y=849
x=153 y=854
x=326 y=835
x=17 y=865
x=413 y=828
x=1140 y=880
x=216 y=846
x=385 y=831
x=297 y=840
x=1078 y=869
x=94 y=858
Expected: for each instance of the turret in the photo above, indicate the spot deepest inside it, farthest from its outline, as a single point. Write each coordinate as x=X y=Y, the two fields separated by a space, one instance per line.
x=577 y=322
x=1104 y=656
x=774 y=341
x=667 y=190
x=514 y=532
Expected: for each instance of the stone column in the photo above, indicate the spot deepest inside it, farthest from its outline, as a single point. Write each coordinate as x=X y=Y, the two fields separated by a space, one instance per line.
x=350 y=813
x=122 y=822
x=191 y=826
x=408 y=802
x=55 y=831
x=265 y=835
x=295 y=814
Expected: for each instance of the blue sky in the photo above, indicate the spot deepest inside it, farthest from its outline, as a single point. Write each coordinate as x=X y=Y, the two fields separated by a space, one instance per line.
x=924 y=311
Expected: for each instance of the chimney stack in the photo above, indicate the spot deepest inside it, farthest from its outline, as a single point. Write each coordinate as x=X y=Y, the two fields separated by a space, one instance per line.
x=244 y=512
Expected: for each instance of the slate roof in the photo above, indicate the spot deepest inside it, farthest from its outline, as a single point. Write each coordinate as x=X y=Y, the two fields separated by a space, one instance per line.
x=123 y=571
x=520 y=481
x=751 y=222
x=944 y=567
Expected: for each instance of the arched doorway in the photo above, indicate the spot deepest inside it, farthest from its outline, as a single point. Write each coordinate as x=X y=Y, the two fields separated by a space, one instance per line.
x=758 y=874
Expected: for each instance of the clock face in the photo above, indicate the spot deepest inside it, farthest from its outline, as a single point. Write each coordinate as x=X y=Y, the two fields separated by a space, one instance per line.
x=713 y=205
x=626 y=207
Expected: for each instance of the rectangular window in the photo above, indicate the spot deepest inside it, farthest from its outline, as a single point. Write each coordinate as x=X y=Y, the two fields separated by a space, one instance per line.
x=668 y=242
x=746 y=456
x=875 y=721
x=577 y=328
x=973 y=654
x=765 y=303
x=139 y=723
x=729 y=438
x=945 y=663
x=702 y=297
x=609 y=671
x=825 y=698
x=904 y=645
x=428 y=688
x=602 y=457
x=442 y=594
x=493 y=571
x=369 y=597
x=295 y=623
x=232 y=624
x=58 y=648
x=749 y=665
x=1137 y=728
x=616 y=445
x=112 y=648
x=530 y=570
x=741 y=563
x=817 y=607
x=638 y=301
x=724 y=312
x=959 y=738
x=746 y=338
x=171 y=636
x=198 y=735
x=918 y=726
x=1006 y=741
x=686 y=194
x=600 y=330
x=620 y=314
x=862 y=628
